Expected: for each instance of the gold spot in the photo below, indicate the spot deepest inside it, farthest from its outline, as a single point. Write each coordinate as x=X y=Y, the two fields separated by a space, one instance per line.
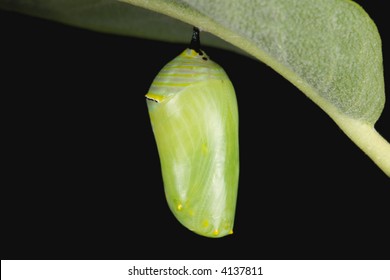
x=191 y=53
x=216 y=232
x=231 y=231
x=179 y=207
x=227 y=225
x=155 y=97
x=204 y=149
x=205 y=223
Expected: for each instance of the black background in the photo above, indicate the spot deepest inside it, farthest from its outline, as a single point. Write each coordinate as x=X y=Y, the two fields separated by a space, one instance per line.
x=83 y=178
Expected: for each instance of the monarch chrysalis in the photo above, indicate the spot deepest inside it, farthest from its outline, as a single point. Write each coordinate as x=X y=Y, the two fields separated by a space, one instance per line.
x=194 y=116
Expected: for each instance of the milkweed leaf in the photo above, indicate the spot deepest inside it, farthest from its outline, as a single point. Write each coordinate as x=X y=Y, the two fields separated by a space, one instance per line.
x=331 y=50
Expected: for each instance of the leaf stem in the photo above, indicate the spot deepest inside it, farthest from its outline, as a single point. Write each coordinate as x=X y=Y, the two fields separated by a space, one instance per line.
x=368 y=140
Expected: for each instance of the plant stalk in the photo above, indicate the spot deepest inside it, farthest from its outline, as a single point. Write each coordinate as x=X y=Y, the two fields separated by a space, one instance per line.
x=368 y=140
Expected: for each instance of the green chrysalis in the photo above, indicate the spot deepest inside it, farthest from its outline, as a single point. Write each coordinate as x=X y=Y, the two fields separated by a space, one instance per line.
x=194 y=116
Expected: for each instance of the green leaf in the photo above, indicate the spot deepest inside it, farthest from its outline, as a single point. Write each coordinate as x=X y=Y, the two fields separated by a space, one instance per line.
x=115 y=17
x=330 y=50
